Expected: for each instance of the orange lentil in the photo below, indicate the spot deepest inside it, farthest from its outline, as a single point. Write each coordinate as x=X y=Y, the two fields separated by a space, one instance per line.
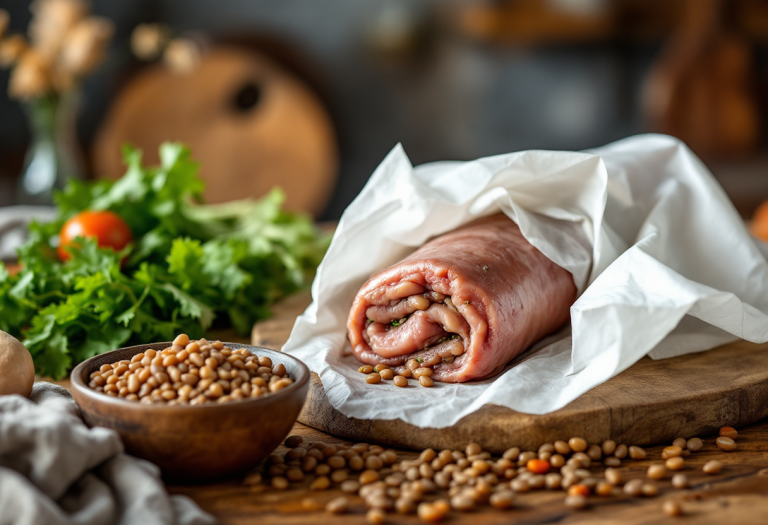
x=538 y=466
x=578 y=490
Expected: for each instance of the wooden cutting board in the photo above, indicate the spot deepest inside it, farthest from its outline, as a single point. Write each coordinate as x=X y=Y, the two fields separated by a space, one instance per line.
x=651 y=402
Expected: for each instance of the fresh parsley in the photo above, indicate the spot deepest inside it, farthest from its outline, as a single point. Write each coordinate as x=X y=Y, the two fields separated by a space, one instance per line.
x=192 y=265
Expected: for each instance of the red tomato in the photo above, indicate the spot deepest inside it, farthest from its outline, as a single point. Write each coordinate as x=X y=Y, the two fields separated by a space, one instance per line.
x=106 y=227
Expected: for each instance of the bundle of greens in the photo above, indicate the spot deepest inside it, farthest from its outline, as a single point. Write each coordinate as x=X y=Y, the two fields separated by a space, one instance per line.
x=191 y=265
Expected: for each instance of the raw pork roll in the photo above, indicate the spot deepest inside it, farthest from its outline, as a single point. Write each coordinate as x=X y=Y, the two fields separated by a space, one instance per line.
x=464 y=304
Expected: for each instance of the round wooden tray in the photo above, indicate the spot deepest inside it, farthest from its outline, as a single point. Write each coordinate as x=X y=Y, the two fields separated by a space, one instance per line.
x=651 y=402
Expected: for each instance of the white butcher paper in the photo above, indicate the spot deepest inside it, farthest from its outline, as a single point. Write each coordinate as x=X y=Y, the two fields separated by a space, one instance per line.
x=663 y=264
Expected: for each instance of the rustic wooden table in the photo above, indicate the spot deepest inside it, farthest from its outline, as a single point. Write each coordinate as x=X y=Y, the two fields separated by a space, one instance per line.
x=739 y=494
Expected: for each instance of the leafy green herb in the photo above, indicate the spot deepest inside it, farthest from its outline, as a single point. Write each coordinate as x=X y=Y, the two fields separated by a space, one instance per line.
x=419 y=360
x=192 y=266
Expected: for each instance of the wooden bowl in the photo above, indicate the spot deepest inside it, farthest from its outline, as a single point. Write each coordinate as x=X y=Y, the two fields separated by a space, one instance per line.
x=202 y=442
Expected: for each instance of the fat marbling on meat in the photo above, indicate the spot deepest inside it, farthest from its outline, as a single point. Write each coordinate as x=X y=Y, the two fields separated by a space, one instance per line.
x=465 y=303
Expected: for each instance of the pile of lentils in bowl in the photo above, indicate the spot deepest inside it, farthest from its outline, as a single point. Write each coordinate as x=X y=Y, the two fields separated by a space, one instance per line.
x=191 y=373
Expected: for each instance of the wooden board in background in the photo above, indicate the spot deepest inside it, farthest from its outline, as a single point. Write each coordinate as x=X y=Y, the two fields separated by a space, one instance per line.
x=651 y=402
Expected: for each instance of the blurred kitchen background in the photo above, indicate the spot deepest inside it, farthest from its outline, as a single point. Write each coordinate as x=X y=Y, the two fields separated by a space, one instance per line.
x=312 y=94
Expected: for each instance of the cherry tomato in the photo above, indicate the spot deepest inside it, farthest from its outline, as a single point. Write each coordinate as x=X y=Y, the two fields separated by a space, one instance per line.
x=106 y=227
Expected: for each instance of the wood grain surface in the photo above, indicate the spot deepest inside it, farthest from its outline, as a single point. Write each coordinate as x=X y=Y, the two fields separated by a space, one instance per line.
x=651 y=402
x=739 y=494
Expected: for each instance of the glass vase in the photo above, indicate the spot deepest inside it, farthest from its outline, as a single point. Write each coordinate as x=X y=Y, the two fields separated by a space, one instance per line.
x=53 y=156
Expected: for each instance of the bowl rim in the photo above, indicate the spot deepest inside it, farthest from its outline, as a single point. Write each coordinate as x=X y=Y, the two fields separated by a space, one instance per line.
x=81 y=387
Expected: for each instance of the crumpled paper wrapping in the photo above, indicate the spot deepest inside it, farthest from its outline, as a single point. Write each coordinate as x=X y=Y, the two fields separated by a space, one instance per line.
x=662 y=261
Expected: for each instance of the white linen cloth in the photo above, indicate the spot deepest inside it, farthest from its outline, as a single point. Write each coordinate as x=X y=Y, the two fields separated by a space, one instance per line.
x=56 y=471
x=662 y=261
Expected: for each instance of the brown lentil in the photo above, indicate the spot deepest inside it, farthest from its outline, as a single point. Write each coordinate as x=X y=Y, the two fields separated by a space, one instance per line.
x=613 y=476
x=387 y=374
x=365 y=369
x=368 y=476
x=463 y=502
x=594 y=452
x=350 y=486
x=636 y=452
x=337 y=462
x=679 y=442
x=650 y=490
x=339 y=476
x=405 y=505
x=671 y=452
x=725 y=444
x=547 y=447
x=376 y=516
x=520 y=485
x=320 y=483
x=294 y=474
x=712 y=467
x=356 y=463
x=609 y=446
x=178 y=375
x=577 y=444
x=612 y=462
x=633 y=487
x=620 y=452
x=422 y=371
x=511 y=454
x=338 y=505
x=557 y=461
x=729 y=432
x=672 y=508
x=695 y=444
x=553 y=480
x=373 y=463
x=279 y=483
x=676 y=463
x=680 y=481
x=400 y=381
x=657 y=471
x=426 y=381
x=373 y=379
x=604 y=488
x=577 y=502
x=430 y=512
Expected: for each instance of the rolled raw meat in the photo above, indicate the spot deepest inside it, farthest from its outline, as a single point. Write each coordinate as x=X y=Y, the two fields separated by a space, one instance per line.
x=464 y=304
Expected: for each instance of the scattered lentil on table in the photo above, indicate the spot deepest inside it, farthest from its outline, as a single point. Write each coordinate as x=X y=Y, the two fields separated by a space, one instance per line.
x=437 y=483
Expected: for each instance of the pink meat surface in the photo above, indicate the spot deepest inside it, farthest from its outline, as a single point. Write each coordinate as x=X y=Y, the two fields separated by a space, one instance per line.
x=482 y=285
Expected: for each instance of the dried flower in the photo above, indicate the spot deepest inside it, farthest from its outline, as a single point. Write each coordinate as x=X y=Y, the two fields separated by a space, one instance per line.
x=148 y=40
x=30 y=78
x=84 y=46
x=182 y=55
x=51 y=21
x=5 y=19
x=11 y=48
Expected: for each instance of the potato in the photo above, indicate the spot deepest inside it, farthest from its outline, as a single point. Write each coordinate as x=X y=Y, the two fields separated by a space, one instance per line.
x=17 y=372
